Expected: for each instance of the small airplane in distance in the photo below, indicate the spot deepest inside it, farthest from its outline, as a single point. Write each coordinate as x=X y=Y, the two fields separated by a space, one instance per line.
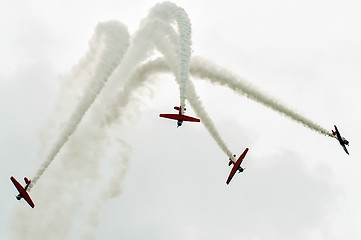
x=22 y=190
x=180 y=116
x=236 y=165
x=341 y=140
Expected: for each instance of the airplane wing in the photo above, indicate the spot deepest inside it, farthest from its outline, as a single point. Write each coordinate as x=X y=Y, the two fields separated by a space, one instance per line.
x=28 y=200
x=188 y=118
x=242 y=156
x=22 y=192
x=180 y=117
x=344 y=148
x=171 y=116
x=236 y=165
x=231 y=174
x=338 y=134
x=17 y=184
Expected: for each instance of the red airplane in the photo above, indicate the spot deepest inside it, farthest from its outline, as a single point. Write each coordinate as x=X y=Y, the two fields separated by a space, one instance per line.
x=341 y=140
x=180 y=116
x=22 y=190
x=236 y=165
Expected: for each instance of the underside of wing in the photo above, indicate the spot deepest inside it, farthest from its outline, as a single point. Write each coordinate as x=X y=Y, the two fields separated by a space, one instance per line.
x=179 y=117
x=17 y=185
x=344 y=148
x=338 y=134
x=170 y=116
x=28 y=199
x=240 y=159
x=231 y=174
x=188 y=118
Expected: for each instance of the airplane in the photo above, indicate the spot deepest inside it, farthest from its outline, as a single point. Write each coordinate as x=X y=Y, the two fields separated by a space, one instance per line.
x=22 y=190
x=341 y=140
x=180 y=116
x=236 y=165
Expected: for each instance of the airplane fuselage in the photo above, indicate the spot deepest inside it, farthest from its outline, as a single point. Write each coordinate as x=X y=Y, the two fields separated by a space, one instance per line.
x=345 y=141
x=179 y=123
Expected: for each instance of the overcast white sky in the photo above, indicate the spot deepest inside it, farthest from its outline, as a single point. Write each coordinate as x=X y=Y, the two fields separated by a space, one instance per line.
x=297 y=185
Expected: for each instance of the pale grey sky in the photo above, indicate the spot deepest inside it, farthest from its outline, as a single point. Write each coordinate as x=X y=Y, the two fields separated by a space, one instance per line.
x=298 y=184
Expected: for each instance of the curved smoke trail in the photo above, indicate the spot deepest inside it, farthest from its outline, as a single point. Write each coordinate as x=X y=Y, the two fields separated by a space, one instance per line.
x=155 y=29
x=110 y=36
x=110 y=57
x=215 y=74
x=169 y=12
x=166 y=39
x=155 y=33
x=138 y=80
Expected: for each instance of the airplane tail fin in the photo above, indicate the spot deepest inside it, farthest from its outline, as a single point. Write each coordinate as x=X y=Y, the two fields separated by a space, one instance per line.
x=26 y=180
x=230 y=160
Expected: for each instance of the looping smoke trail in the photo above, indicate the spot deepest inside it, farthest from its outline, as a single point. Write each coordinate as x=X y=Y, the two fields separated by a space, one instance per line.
x=138 y=79
x=111 y=55
x=110 y=36
x=169 y=11
x=153 y=30
x=164 y=45
x=165 y=39
x=215 y=74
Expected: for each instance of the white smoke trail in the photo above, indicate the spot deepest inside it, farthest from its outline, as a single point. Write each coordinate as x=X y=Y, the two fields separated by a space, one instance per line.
x=204 y=69
x=170 y=12
x=80 y=158
x=155 y=33
x=138 y=80
x=200 y=111
x=155 y=28
x=215 y=74
x=166 y=39
x=110 y=36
